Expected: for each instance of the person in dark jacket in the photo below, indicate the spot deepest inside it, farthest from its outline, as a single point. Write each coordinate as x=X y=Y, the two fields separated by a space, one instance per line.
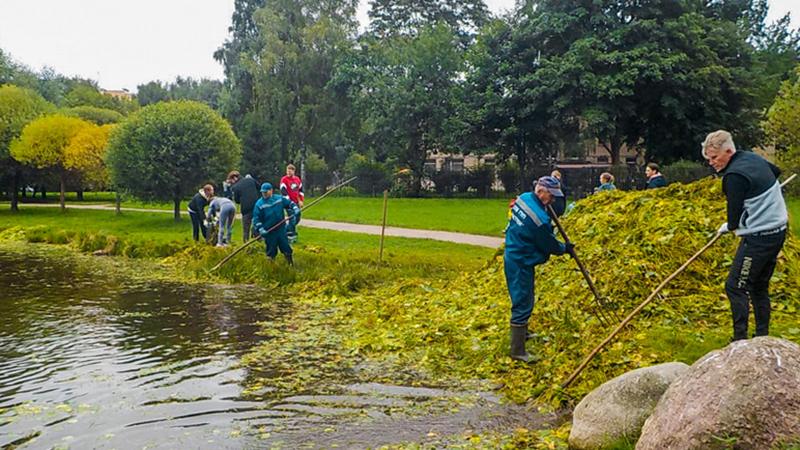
x=654 y=177
x=269 y=212
x=246 y=194
x=560 y=203
x=197 y=210
x=757 y=213
x=529 y=242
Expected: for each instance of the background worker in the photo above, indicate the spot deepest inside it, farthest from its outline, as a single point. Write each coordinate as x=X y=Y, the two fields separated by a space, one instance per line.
x=246 y=194
x=529 y=242
x=559 y=203
x=292 y=189
x=654 y=177
x=756 y=213
x=227 y=213
x=606 y=182
x=268 y=212
x=197 y=210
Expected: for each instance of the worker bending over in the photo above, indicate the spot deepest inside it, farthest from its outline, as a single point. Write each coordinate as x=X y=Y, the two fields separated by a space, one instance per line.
x=529 y=242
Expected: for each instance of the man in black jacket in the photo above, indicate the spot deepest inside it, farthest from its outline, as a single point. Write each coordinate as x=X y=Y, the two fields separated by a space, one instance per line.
x=757 y=213
x=245 y=193
x=197 y=210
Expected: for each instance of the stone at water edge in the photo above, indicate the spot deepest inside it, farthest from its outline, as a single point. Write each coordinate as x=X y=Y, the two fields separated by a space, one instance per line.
x=616 y=410
x=746 y=395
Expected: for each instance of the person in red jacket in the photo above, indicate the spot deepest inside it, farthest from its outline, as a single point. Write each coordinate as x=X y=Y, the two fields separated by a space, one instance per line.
x=292 y=188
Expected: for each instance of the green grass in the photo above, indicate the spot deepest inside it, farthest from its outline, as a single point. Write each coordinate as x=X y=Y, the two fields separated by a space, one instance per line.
x=793 y=203
x=473 y=216
x=158 y=235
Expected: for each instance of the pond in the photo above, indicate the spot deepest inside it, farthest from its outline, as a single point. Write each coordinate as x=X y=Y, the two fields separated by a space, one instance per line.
x=96 y=359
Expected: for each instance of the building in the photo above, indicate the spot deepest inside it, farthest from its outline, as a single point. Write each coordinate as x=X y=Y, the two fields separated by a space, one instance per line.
x=123 y=94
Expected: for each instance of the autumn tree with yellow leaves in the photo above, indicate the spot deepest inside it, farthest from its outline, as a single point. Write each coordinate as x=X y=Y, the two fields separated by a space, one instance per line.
x=43 y=144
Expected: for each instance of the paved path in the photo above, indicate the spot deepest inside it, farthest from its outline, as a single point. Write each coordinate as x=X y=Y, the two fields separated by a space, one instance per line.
x=447 y=236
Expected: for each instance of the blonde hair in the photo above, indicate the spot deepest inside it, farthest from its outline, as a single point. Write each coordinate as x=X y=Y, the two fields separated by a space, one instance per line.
x=291 y=166
x=606 y=177
x=556 y=174
x=718 y=140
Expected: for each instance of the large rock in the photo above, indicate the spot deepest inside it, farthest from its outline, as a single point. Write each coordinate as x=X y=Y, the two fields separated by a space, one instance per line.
x=616 y=410
x=745 y=396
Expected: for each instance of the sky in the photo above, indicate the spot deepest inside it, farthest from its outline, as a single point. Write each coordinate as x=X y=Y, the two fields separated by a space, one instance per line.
x=124 y=43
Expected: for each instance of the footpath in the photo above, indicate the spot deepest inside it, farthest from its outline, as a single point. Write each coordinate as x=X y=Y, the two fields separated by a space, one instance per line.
x=446 y=236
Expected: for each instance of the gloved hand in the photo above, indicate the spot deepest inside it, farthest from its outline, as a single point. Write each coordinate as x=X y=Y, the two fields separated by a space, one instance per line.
x=569 y=248
x=262 y=232
x=296 y=217
x=723 y=228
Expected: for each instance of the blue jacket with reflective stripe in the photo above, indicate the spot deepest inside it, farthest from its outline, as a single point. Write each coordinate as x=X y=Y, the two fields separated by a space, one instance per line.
x=529 y=235
x=268 y=212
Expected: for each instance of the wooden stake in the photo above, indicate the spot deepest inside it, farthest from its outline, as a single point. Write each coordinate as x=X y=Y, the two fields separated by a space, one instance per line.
x=383 y=224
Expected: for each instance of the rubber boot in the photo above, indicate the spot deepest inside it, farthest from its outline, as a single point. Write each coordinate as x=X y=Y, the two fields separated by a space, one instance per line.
x=518 y=351
x=290 y=259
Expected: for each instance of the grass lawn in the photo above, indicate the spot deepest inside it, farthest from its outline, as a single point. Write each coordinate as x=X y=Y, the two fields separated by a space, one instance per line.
x=793 y=204
x=153 y=230
x=474 y=216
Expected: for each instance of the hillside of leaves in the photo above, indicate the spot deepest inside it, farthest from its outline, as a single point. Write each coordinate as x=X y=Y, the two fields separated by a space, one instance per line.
x=630 y=242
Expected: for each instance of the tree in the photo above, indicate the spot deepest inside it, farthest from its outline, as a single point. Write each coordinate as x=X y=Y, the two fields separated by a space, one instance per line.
x=85 y=155
x=405 y=90
x=782 y=127
x=165 y=150
x=279 y=66
x=391 y=18
x=152 y=92
x=43 y=142
x=86 y=94
x=505 y=108
x=98 y=116
x=18 y=107
x=203 y=90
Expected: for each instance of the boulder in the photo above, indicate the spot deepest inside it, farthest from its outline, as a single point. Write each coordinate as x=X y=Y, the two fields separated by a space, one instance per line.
x=745 y=396
x=616 y=410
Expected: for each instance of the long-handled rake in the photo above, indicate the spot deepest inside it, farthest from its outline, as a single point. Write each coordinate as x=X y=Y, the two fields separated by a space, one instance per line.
x=603 y=308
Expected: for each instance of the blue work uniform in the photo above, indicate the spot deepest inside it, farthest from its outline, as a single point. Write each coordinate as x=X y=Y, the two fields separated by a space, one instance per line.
x=266 y=214
x=529 y=242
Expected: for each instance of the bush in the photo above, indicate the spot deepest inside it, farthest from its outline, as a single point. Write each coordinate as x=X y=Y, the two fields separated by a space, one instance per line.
x=373 y=177
x=509 y=174
x=481 y=179
x=447 y=181
x=317 y=174
x=684 y=171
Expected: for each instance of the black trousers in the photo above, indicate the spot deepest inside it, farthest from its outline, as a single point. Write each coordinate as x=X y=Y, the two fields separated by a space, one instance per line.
x=197 y=225
x=748 y=281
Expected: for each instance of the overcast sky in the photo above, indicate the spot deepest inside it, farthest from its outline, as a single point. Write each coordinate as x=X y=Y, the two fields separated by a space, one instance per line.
x=124 y=43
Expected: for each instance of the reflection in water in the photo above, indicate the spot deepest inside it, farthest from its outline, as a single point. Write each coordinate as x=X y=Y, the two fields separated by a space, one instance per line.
x=90 y=361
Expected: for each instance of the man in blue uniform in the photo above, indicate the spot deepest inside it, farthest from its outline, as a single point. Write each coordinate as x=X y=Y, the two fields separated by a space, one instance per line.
x=529 y=242
x=757 y=213
x=268 y=212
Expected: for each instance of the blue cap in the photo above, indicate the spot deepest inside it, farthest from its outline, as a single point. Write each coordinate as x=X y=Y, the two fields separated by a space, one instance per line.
x=551 y=184
x=266 y=187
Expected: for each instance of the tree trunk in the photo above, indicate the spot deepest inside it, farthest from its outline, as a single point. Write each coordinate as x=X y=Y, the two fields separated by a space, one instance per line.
x=117 y=203
x=15 y=192
x=63 y=184
x=44 y=193
x=613 y=146
x=79 y=194
x=177 y=201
